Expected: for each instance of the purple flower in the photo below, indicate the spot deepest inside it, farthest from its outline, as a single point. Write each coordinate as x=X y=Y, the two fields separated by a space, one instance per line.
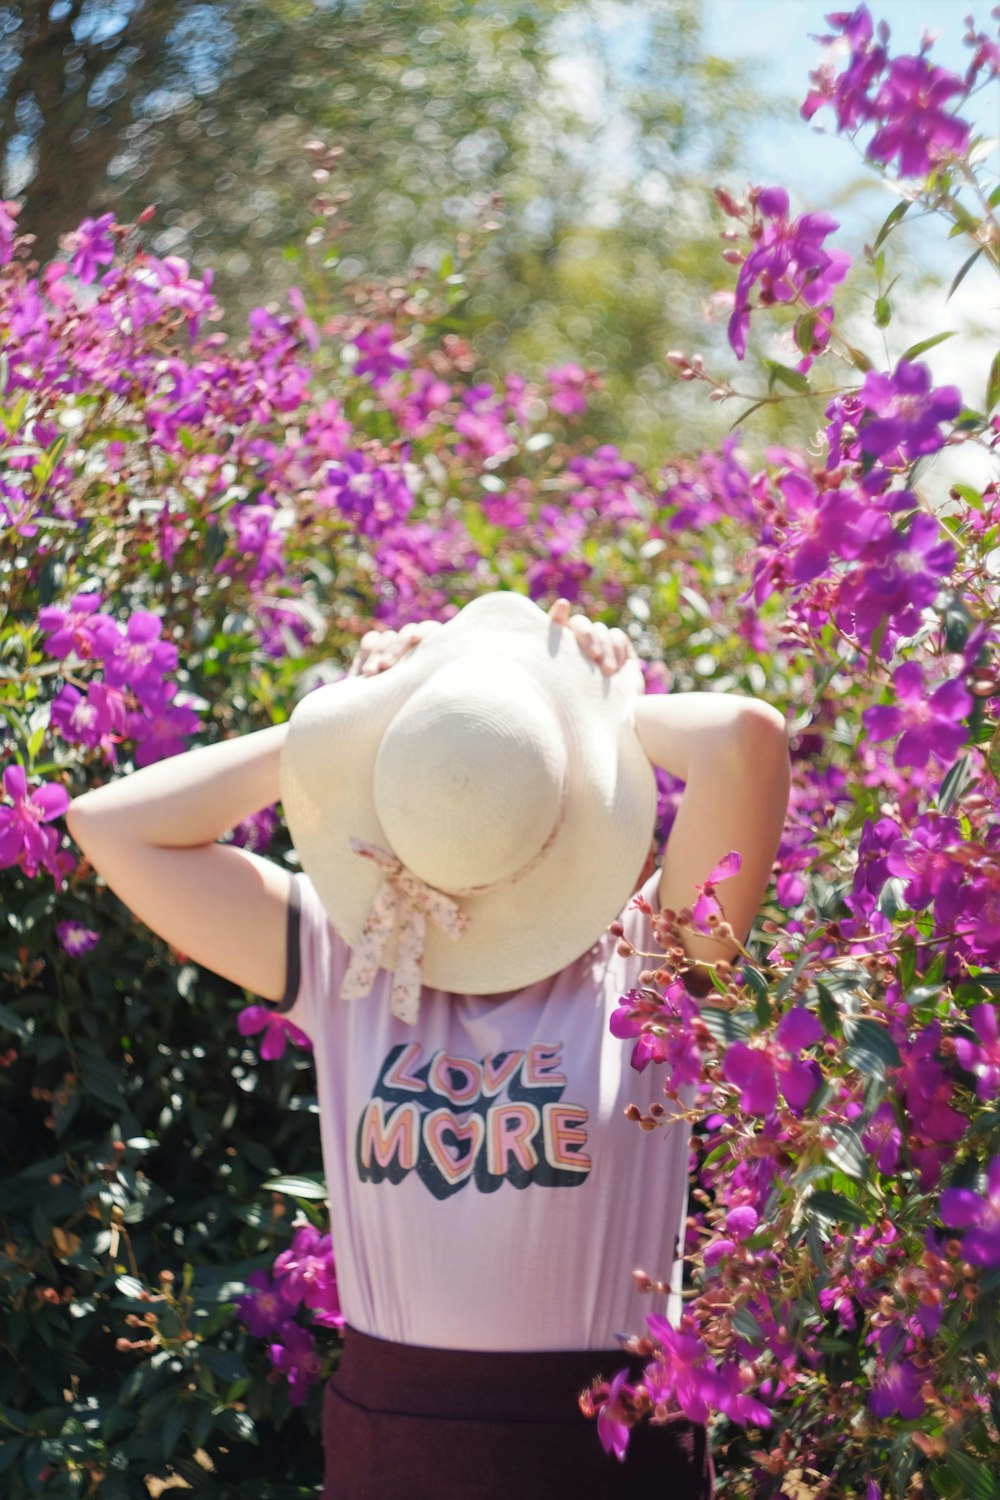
x=898 y=1390
x=308 y=1273
x=379 y=356
x=742 y=1221
x=896 y=576
x=757 y=1071
x=787 y=262
x=907 y=413
x=139 y=653
x=611 y=1429
x=373 y=496
x=84 y=720
x=23 y=840
x=917 y=130
x=568 y=384
x=883 y=1138
x=297 y=1358
x=93 y=247
x=979 y=1215
x=9 y=210
x=76 y=939
x=904 y=98
x=983 y=1061
x=80 y=629
x=278 y=1030
x=266 y=1308
x=481 y=425
x=925 y=725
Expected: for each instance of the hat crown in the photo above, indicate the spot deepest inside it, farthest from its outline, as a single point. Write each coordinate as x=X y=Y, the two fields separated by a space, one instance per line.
x=469 y=779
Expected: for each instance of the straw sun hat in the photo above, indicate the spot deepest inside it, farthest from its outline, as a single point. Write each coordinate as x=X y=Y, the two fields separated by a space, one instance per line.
x=473 y=818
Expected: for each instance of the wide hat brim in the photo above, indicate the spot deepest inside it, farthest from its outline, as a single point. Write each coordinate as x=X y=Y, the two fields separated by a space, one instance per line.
x=523 y=930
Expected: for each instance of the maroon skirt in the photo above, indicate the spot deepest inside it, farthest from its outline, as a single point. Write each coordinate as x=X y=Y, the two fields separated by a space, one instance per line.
x=406 y=1423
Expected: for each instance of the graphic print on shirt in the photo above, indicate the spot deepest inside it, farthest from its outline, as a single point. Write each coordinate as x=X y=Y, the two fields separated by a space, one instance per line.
x=455 y=1120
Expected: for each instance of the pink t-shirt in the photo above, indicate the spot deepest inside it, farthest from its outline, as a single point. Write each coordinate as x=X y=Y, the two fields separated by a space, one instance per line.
x=486 y=1190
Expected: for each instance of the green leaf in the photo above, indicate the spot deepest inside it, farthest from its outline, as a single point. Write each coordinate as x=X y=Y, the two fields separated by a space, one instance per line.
x=859 y=359
x=883 y=313
x=763 y=1008
x=792 y=378
x=828 y=1011
x=891 y=221
x=805 y=330
x=297 y=1187
x=754 y=978
x=11 y=1021
x=847 y=1153
x=976 y=1481
x=172 y=1425
x=964 y=270
x=993 y=385
x=726 y=1026
x=926 y=344
x=870 y=1048
x=955 y=782
x=747 y=1326
x=749 y=411
x=835 y=1207
x=223 y=1362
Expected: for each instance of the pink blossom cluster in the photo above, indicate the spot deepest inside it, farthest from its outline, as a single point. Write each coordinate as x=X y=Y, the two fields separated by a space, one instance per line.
x=302 y=1279
x=909 y=101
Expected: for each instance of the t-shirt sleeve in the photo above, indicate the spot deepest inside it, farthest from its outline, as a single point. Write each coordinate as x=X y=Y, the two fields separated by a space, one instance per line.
x=316 y=957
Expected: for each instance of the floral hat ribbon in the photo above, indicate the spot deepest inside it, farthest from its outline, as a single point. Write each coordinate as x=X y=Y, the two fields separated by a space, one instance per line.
x=405 y=901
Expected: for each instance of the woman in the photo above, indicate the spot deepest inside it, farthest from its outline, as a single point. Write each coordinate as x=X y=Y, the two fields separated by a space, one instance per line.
x=469 y=824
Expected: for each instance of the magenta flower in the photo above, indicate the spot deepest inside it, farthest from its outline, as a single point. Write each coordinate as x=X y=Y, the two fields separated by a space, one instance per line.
x=897 y=1390
x=371 y=495
x=984 y=1060
x=297 y=1358
x=904 y=98
x=267 y=1307
x=309 y=1275
x=907 y=413
x=76 y=939
x=925 y=726
x=380 y=357
x=93 y=247
x=84 y=720
x=9 y=210
x=883 y=1138
x=80 y=628
x=612 y=1430
x=278 y=1030
x=917 y=129
x=568 y=384
x=23 y=840
x=979 y=1215
x=788 y=261
x=139 y=653
x=758 y=1072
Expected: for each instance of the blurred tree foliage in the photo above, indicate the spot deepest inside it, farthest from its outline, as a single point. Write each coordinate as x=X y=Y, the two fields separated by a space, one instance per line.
x=590 y=134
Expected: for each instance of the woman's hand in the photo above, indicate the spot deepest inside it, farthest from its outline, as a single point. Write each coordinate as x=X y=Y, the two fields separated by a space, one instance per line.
x=609 y=648
x=380 y=649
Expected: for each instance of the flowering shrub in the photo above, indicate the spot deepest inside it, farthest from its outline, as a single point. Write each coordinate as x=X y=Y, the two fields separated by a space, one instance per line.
x=841 y=1328
x=200 y=534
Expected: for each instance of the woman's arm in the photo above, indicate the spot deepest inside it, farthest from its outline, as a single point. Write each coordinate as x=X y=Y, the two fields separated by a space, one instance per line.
x=152 y=836
x=732 y=755
x=188 y=800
